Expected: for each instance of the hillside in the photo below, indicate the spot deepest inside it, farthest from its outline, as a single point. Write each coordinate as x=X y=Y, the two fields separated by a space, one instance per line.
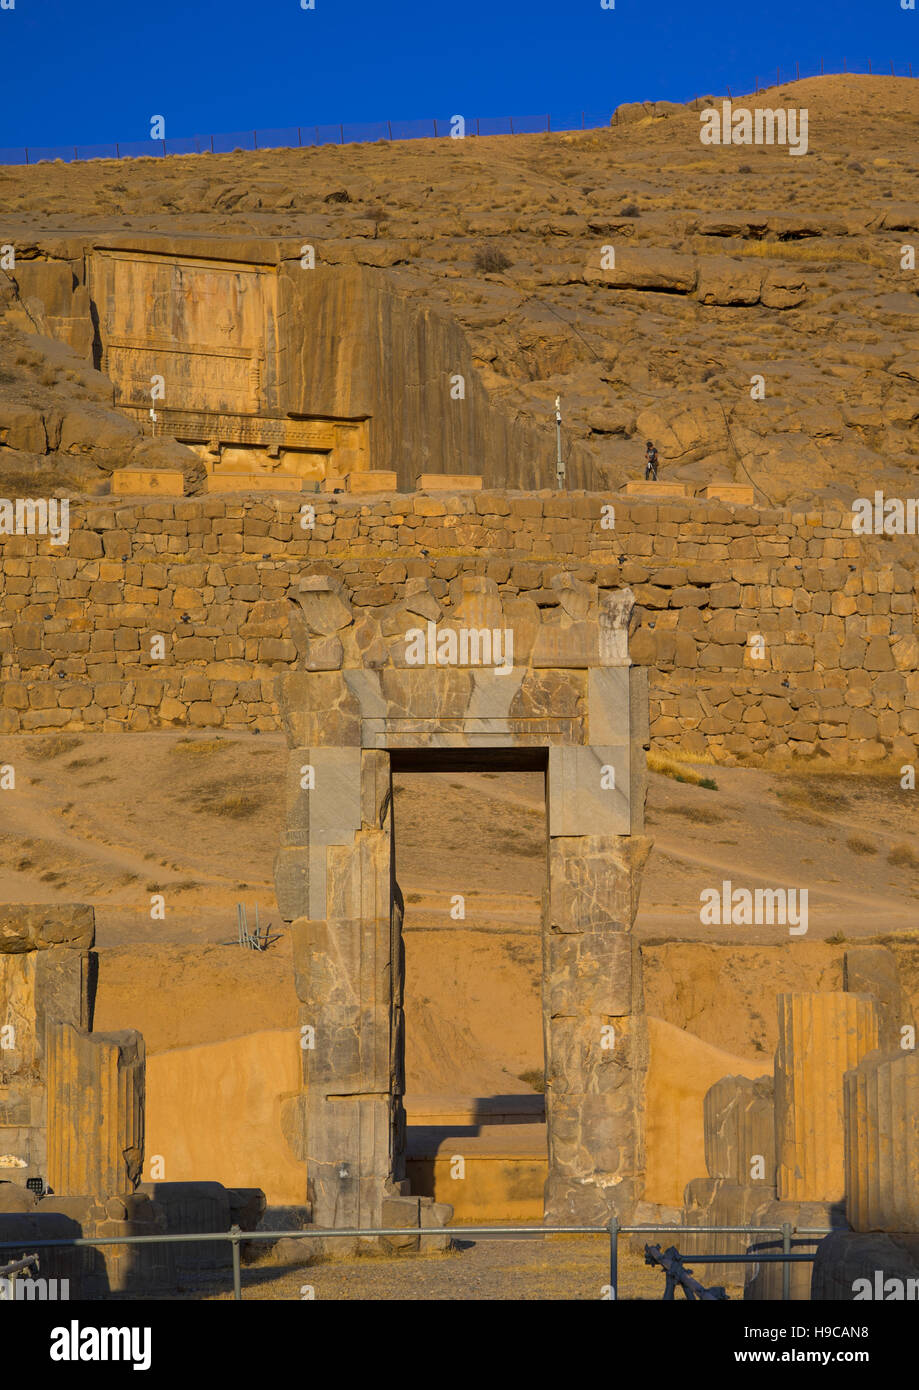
x=731 y=262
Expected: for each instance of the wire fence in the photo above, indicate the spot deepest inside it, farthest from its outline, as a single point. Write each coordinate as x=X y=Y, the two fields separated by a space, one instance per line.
x=612 y=1232
x=370 y=132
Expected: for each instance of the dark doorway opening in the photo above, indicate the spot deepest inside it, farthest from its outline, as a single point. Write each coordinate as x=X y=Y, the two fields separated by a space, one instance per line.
x=471 y=861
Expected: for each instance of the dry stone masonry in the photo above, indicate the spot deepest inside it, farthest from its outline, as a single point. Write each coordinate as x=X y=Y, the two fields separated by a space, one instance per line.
x=838 y=677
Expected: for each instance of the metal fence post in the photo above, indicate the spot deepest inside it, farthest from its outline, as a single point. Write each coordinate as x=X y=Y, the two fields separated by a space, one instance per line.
x=237 y=1290
x=614 y=1258
x=786 y=1266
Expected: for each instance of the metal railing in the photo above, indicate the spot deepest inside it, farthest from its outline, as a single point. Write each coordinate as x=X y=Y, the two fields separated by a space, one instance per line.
x=612 y=1231
x=368 y=132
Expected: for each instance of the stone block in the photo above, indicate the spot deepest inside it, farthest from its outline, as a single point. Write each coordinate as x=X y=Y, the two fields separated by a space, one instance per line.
x=134 y=1268
x=589 y=976
x=615 y=611
x=343 y=978
x=588 y=791
x=647 y=269
x=872 y=970
x=81 y=1266
x=325 y=604
x=253 y=482
x=639 y=743
x=317 y=709
x=449 y=482
x=739 y=1127
x=189 y=1207
x=350 y=1158
x=651 y=489
x=15 y=1197
x=292 y=877
x=327 y=811
x=721 y=1202
x=148 y=482
x=63 y=989
x=575 y=645
x=764 y=1282
x=594 y=881
x=855 y=1267
x=738 y=493
x=35 y=927
x=372 y=480
x=608 y=704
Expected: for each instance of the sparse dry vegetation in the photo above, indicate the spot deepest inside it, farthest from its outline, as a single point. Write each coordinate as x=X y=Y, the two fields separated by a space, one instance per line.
x=903 y=857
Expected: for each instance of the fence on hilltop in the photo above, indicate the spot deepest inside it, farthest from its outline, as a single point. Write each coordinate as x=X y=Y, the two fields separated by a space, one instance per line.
x=371 y=132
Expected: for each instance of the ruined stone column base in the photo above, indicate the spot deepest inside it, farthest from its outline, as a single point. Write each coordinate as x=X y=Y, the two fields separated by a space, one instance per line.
x=765 y=1281
x=888 y=1261
x=573 y=1203
x=721 y=1202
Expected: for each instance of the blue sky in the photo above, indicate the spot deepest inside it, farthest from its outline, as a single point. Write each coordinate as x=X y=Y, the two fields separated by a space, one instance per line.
x=99 y=70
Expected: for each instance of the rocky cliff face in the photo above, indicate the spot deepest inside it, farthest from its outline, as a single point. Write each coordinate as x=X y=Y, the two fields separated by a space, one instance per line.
x=732 y=264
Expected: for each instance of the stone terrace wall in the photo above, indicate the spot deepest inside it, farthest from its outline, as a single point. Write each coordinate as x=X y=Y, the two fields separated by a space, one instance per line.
x=837 y=611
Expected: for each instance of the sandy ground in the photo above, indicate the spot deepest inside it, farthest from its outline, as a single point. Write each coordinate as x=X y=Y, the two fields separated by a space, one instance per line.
x=197 y=818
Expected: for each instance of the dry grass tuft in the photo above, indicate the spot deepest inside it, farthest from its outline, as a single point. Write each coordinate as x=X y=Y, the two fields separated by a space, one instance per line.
x=903 y=857
x=859 y=845
x=200 y=747
x=52 y=746
x=680 y=772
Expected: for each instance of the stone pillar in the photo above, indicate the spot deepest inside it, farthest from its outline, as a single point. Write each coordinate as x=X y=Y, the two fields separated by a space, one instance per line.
x=349 y=980
x=882 y=1143
x=739 y=1127
x=45 y=977
x=596 y=1046
x=821 y=1036
x=95 y=1111
x=740 y=1161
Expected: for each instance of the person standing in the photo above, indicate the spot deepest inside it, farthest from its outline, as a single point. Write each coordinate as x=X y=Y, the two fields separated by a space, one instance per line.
x=650 y=462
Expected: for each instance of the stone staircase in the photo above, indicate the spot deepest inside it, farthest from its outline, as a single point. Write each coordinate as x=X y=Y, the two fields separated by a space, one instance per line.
x=486 y=1156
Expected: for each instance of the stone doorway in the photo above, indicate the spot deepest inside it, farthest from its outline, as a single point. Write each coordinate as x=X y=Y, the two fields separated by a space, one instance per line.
x=570 y=704
x=471 y=847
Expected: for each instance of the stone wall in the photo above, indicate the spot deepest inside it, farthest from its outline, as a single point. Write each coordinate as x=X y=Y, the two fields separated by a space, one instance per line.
x=839 y=675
